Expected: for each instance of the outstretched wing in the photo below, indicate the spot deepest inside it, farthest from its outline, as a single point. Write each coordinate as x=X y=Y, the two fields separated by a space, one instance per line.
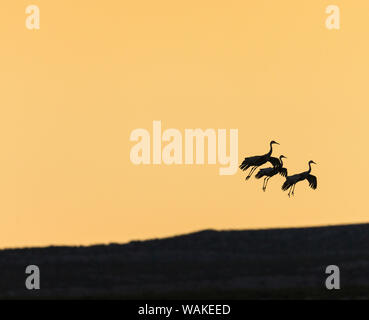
x=264 y=173
x=313 y=183
x=283 y=172
x=274 y=161
x=288 y=183
x=249 y=162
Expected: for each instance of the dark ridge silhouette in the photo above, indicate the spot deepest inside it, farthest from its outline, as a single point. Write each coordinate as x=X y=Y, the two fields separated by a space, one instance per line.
x=255 y=264
x=257 y=161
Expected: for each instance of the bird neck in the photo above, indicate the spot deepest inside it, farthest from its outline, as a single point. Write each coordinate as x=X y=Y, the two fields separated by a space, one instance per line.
x=271 y=149
x=281 y=161
x=309 y=168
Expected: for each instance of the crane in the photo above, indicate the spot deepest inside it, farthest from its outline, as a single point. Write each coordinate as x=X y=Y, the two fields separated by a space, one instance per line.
x=257 y=161
x=272 y=171
x=291 y=181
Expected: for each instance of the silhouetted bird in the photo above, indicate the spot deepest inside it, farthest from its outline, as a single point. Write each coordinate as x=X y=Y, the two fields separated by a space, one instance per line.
x=270 y=172
x=258 y=161
x=292 y=180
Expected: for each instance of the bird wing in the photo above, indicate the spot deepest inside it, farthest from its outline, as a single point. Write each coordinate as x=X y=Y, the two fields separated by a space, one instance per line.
x=264 y=172
x=291 y=180
x=274 y=161
x=249 y=162
x=283 y=172
x=313 y=183
x=288 y=183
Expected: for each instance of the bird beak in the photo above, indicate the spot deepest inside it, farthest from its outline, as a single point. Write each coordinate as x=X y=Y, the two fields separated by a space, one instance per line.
x=276 y=142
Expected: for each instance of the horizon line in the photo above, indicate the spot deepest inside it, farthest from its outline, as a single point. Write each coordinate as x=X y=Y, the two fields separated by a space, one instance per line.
x=179 y=235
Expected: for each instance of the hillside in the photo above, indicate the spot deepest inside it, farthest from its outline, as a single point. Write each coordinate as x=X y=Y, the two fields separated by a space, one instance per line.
x=275 y=263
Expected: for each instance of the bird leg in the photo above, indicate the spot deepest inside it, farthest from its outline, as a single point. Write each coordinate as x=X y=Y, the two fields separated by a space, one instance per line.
x=250 y=173
x=289 y=193
x=293 y=190
x=266 y=183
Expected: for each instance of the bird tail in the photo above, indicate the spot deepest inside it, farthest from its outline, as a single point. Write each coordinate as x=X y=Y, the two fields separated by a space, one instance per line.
x=286 y=185
x=260 y=174
x=245 y=164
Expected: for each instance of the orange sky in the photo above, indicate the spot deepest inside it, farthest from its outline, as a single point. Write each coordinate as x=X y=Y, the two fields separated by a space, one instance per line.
x=72 y=92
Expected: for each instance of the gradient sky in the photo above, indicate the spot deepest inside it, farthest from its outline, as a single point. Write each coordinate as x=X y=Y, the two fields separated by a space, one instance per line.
x=72 y=92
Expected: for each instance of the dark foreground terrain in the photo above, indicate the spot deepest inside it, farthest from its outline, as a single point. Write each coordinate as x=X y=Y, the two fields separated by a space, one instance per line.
x=261 y=264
